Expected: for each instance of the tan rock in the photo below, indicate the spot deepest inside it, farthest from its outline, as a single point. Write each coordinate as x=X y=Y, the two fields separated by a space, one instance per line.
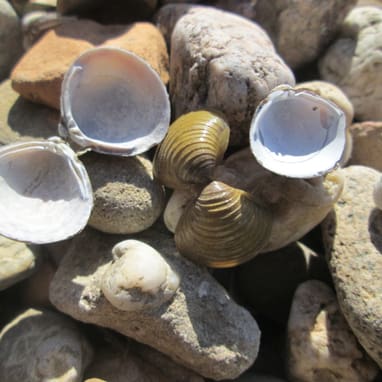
x=38 y=75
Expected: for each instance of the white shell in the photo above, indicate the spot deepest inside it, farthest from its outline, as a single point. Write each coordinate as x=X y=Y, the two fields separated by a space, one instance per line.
x=113 y=102
x=175 y=208
x=138 y=278
x=45 y=192
x=297 y=133
x=377 y=194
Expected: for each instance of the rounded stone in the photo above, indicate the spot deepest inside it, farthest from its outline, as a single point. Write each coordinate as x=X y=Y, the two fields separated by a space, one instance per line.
x=127 y=199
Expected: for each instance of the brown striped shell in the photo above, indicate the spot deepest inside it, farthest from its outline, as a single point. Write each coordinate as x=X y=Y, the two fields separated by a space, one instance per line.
x=224 y=227
x=194 y=145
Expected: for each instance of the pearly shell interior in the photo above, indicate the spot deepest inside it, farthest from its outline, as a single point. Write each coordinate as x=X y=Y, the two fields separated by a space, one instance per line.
x=113 y=102
x=45 y=192
x=298 y=134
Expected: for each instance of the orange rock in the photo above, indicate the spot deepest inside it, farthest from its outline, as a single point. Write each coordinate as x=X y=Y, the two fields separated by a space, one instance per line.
x=39 y=73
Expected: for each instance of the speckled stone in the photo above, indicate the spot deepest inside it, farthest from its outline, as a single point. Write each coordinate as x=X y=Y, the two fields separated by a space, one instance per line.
x=353 y=240
x=201 y=327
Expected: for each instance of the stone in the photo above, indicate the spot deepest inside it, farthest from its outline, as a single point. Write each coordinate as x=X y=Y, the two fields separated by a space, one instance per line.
x=127 y=199
x=21 y=119
x=301 y=30
x=352 y=62
x=43 y=346
x=253 y=377
x=39 y=74
x=201 y=327
x=245 y=8
x=367 y=144
x=377 y=194
x=352 y=237
x=17 y=261
x=213 y=66
x=320 y=345
x=290 y=266
x=10 y=38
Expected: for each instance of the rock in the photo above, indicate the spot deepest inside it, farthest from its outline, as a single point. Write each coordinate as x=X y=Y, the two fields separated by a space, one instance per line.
x=290 y=266
x=17 y=261
x=353 y=241
x=38 y=75
x=301 y=30
x=367 y=144
x=127 y=199
x=200 y=327
x=321 y=346
x=23 y=120
x=245 y=8
x=353 y=61
x=213 y=66
x=377 y=194
x=10 y=38
x=253 y=377
x=42 y=346
x=377 y=3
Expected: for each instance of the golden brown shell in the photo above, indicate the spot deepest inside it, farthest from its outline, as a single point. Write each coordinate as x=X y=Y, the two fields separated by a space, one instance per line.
x=223 y=227
x=194 y=145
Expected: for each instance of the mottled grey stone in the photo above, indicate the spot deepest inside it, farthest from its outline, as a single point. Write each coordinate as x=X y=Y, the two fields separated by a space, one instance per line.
x=353 y=239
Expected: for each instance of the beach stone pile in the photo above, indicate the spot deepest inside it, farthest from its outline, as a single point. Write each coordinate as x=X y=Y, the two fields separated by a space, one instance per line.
x=306 y=309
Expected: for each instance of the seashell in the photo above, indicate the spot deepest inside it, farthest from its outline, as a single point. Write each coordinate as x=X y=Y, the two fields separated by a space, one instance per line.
x=223 y=228
x=113 y=102
x=138 y=278
x=194 y=145
x=377 y=194
x=45 y=192
x=297 y=133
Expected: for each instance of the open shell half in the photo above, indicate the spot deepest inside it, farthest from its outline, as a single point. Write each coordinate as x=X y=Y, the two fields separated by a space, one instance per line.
x=297 y=133
x=113 y=102
x=45 y=192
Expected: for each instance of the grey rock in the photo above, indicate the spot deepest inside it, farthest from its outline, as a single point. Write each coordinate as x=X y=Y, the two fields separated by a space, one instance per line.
x=201 y=328
x=353 y=239
x=253 y=377
x=353 y=61
x=42 y=346
x=10 y=38
x=212 y=65
x=17 y=261
x=321 y=346
x=23 y=120
x=127 y=199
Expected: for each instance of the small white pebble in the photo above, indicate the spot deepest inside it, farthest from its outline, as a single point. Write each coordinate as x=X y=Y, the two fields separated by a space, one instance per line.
x=377 y=193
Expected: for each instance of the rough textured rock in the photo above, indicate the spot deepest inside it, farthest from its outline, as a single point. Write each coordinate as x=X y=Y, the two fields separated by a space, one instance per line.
x=301 y=29
x=127 y=199
x=42 y=346
x=290 y=266
x=200 y=328
x=39 y=74
x=353 y=62
x=212 y=65
x=321 y=346
x=353 y=241
x=10 y=38
x=21 y=119
x=17 y=261
x=367 y=144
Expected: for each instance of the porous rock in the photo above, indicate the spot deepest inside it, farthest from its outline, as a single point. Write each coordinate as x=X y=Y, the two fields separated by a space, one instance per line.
x=224 y=62
x=200 y=327
x=21 y=119
x=10 y=38
x=367 y=144
x=42 y=346
x=39 y=74
x=127 y=199
x=301 y=29
x=353 y=61
x=321 y=346
x=353 y=243
x=17 y=261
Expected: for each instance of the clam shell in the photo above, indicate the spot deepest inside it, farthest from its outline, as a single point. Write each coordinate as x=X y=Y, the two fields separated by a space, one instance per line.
x=297 y=133
x=45 y=192
x=194 y=145
x=223 y=228
x=113 y=102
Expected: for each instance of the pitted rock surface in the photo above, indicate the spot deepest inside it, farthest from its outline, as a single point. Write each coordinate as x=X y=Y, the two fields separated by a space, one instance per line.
x=201 y=328
x=353 y=241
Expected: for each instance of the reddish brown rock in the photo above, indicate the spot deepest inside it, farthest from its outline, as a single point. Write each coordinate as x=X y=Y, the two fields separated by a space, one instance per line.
x=39 y=74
